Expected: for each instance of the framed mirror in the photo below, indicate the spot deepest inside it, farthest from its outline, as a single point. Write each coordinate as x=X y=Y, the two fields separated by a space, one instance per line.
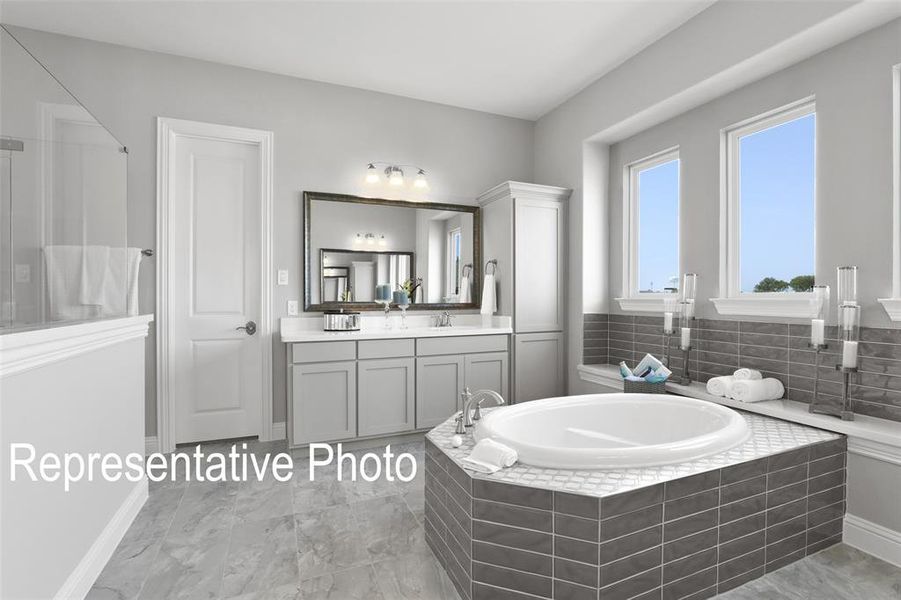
x=356 y=248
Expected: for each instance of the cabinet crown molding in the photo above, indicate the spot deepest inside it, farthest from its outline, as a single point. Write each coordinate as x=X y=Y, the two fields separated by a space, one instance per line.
x=518 y=189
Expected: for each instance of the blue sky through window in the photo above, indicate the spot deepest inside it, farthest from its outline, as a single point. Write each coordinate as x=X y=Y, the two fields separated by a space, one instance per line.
x=658 y=227
x=777 y=202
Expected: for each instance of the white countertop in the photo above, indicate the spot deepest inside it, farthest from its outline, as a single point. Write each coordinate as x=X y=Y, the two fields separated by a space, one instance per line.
x=863 y=427
x=309 y=329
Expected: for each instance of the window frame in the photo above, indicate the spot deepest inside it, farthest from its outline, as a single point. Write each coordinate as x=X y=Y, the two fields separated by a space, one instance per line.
x=732 y=300
x=632 y=299
x=892 y=305
x=453 y=271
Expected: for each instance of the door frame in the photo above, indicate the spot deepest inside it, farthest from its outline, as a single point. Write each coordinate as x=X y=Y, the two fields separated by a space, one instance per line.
x=168 y=130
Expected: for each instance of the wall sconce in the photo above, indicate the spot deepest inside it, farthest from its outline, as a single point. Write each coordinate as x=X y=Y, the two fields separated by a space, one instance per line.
x=394 y=175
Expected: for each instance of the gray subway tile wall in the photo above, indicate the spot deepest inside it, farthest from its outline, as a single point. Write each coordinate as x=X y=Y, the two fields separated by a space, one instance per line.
x=688 y=538
x=777 y=349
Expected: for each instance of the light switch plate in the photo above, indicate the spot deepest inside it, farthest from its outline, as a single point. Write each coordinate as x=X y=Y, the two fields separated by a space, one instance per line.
x=292 y=308
x=283 y=277
x=23 y=273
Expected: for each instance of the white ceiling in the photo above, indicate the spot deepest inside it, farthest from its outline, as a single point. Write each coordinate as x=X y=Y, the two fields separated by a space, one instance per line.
x=513 y=58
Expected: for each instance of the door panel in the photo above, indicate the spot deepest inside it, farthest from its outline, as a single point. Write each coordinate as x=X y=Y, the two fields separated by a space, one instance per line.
x=439 y=382
x=487 y=372
x=325 y=402
x=538 y=360
x=214 y=256
x=386 y=401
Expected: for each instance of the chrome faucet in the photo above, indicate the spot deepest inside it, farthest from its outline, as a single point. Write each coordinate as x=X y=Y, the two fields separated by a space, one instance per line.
x=444 y=320
x=476 y=398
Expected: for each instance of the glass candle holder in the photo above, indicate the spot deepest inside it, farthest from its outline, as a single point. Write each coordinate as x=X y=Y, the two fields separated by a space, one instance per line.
x=686 y=312
x=846 y=285
x=670 y=308
x=821 y=308
x=689 y=286
x=849 y=333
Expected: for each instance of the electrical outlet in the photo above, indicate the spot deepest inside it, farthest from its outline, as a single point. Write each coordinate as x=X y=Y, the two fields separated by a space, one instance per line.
x=293 y=309
x=283 y=277
x=23 y=273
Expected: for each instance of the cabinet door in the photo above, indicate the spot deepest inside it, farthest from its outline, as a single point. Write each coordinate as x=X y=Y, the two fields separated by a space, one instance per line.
x=487 y=371
x=386 y=401
x=539 y=278
x=439 y=382
x=324 y=399
x=538 y=366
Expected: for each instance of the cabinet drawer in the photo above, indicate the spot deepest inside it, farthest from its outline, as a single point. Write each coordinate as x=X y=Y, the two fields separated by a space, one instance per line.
x=461 y=345
x=310 y=352
x=386 y=348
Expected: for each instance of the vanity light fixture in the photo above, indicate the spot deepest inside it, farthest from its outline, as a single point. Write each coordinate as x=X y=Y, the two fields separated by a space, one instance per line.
x=394 y=175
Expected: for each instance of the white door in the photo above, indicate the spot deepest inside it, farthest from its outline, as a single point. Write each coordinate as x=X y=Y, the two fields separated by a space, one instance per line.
x=217 y=384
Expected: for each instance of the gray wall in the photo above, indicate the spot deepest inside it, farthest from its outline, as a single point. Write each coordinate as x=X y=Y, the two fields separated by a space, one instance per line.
x=852 y=83
x=324 y=137
x=662 y=81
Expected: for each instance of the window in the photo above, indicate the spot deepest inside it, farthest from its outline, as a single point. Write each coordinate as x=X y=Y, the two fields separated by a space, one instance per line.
x=893 y=305
x=454 y=258
x=769 y=185
x=651 y=231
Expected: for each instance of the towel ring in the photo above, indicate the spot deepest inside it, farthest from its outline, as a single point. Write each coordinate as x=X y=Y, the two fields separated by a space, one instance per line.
x=147 y=252
x=491 y=263
x=467 y=266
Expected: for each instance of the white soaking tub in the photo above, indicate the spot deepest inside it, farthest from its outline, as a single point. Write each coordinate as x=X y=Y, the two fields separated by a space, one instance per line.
x=603 y=431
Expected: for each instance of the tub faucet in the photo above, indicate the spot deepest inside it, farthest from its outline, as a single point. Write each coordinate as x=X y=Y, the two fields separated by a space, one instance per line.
x=476 y=398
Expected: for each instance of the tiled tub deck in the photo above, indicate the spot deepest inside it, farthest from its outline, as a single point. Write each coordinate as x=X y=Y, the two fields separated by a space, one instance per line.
x=678 y=531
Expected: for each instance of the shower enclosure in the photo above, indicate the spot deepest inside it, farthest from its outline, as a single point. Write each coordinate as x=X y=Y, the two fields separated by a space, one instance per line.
x=64 y=255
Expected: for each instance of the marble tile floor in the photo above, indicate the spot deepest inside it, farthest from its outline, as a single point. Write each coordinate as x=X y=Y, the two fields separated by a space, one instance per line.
x=346 y=540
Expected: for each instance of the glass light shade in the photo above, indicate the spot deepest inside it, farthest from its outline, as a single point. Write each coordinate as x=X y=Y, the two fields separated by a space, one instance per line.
x=821 y=294
x=370 y=239
x=846 y=288
x=396 y=177
x=420 y=182
x=383 y=241
x=372 y=174
x=689 y=286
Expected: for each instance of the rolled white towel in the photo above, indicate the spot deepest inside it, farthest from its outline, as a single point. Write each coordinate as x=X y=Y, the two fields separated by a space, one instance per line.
x=721 y=386
x=757 y=390
x=751 y=374
x=489 y=456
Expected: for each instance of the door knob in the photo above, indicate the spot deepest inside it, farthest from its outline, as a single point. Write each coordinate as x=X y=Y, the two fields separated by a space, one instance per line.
x=249 y=328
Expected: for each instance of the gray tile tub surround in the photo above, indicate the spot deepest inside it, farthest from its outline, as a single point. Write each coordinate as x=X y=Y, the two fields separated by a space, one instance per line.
x=777 y=349
x=595 y=339
x=692 y=537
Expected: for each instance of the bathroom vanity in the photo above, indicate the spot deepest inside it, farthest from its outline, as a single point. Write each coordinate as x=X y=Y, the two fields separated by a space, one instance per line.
x=380 y=382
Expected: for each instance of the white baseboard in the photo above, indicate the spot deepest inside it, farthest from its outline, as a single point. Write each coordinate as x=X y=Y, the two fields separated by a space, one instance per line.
x=279 y=431
x=79 y=582
x=874 y=539
x=151 y=445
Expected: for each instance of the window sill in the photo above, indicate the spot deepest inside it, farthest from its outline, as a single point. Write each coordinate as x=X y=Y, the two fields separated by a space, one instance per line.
x=651 y=304
x=794 y=308
x=892 y=306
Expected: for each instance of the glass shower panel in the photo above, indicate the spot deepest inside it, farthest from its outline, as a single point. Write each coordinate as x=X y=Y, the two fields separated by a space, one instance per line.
x=65 y=255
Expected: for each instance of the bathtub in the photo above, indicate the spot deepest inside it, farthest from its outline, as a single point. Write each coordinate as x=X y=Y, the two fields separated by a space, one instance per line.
x=601 y=431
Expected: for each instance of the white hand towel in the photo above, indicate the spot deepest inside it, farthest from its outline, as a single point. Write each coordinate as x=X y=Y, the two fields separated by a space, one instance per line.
x=489 y=456
x=751 y=374
x=465 y=290
x=64 y=284
x=757 y=390
x=94 y=261
x=489 y=296
x=121 y=287
x=721 y=386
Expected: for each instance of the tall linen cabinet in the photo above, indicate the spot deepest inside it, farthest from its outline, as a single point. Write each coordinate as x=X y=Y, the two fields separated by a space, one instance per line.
x=524 y=230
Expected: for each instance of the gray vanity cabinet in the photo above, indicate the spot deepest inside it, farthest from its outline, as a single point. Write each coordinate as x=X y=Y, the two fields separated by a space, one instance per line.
x=487 y=372
x=324 y=401
x=539 y=364
x=439 y=383
x=386 y=399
